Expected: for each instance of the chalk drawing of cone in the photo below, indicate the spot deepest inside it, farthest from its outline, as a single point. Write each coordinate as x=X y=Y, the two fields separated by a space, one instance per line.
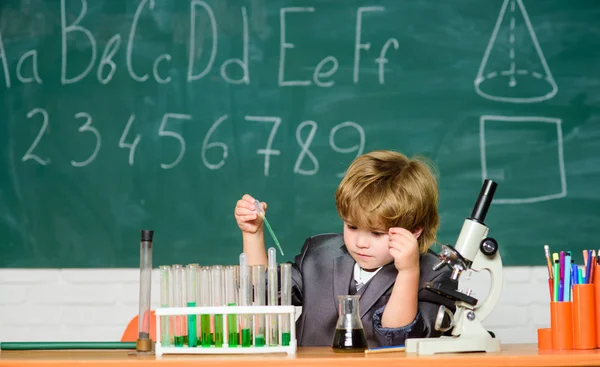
x=513 y=68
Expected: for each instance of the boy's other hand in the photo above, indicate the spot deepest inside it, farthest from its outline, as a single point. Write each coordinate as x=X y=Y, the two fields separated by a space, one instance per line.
x=246 y=217
x=404 y=248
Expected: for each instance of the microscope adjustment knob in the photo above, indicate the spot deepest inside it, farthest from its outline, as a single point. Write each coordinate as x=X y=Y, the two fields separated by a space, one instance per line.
x=489 y=246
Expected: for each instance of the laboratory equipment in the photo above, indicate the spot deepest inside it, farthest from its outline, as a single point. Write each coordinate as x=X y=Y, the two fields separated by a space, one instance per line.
x=191 y=274
x=272 y=295
x=245 y=300
x=230 y=300
x=205 y=301
x=259 y=282
x=165 y=301
x=349 y=333
x=218 y=299
x=473 y=252
x=286 y=300
x=179 y=301
x=144 y=343
x=259 y=209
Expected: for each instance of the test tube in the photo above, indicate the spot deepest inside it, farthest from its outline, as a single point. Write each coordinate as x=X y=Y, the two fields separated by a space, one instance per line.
x=272 y=296
x=245 y=300
x=178 y=301
x=286 y=300
x=144 y=344
x=166 y=338
x=219 y=301
x=205 y=301
x=230 y=300
x=258 y=277
x=191 y=274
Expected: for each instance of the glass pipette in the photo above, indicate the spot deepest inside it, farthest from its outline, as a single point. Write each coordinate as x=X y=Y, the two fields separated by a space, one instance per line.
x=144 y=344
x=259 y=209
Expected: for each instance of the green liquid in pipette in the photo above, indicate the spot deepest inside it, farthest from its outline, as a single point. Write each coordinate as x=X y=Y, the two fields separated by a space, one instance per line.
x=206 y=334
x=192 y=334
x=179 y=341
x=218 y=331
x=260 y=341
x=285 y=339
x=272 y=234
x=246 y=338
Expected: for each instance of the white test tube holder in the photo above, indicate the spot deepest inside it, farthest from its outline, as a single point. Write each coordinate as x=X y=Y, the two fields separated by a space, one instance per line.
x=280 y=311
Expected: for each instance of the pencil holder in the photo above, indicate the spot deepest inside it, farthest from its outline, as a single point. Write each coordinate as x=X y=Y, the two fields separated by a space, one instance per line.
x=227 y=327
x=561 y=322
x=584 y=316
x=544 y=338
x=596 y=281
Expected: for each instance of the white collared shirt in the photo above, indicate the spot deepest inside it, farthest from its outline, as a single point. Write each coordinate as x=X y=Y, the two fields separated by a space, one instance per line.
x=362 y=276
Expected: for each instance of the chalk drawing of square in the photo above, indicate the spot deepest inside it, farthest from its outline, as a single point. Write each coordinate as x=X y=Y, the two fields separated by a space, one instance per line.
x=524 y=155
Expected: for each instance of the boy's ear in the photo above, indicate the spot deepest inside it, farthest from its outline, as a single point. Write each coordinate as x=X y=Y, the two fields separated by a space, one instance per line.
x=417 y=232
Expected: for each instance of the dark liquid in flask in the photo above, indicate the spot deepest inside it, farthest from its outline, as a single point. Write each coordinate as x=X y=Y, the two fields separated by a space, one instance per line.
x=349 y=340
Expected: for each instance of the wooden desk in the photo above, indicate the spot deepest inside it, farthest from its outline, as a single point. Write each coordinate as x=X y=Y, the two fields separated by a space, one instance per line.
x=511 y=355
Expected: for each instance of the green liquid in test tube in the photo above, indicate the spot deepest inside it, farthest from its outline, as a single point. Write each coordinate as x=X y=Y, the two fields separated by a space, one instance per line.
x=218 y=300
x=272 y=296
x=259 y=281
x=205 y=301
x=286 y=300
x=166 y=338
x=191 y=275
x=245 y=300
x=230 y=299
x=178 y=301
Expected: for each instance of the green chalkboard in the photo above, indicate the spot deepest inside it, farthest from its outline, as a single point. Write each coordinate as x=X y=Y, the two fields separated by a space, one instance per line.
x=122 y=115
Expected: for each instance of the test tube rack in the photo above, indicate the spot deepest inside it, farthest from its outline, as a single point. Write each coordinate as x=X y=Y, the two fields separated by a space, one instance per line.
x=280 y=311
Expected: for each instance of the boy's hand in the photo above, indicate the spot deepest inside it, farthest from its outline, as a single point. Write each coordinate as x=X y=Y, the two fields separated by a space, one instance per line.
x=404 y=248
x=246 y=217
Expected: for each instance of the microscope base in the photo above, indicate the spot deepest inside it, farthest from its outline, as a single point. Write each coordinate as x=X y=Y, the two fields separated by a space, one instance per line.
x=450 y=344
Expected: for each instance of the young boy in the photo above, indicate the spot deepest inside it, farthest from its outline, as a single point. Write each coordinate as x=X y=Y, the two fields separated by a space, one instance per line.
x=389 y=207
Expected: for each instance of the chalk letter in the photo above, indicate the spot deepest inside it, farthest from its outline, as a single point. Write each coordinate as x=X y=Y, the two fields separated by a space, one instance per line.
x=107 y=55
x=75 y=27
x=213 y=53
x=4 y=63
x=243 y=64
x=357 y=45
x=36 y=75
x=155 y=69
x=283 y=45
x=317 y=74
x=381 y=60
x=136 y=17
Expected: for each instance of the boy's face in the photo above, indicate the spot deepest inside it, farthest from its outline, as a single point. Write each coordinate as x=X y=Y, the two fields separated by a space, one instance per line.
x=368 y=248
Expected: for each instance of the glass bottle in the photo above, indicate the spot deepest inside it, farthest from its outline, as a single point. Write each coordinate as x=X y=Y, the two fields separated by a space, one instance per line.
x=349 y=333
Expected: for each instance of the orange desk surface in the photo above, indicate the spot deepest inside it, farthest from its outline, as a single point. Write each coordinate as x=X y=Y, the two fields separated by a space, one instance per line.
x=511 y=355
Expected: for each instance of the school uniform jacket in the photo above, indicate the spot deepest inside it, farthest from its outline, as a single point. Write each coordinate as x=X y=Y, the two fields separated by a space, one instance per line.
x=324 y=269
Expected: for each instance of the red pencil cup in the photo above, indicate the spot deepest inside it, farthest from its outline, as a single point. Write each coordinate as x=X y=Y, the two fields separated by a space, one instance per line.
x=561 y=322
x=596 y=281
x=544 y=338
x=584 y=316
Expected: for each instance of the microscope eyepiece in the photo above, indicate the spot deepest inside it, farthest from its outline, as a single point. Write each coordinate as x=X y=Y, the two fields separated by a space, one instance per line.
x=484 y=201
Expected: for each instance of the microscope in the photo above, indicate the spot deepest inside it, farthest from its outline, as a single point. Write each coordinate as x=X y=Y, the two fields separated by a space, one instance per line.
x=474 y=251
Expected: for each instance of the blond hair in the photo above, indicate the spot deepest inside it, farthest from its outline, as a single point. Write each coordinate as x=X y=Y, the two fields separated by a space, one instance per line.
x=384 y=189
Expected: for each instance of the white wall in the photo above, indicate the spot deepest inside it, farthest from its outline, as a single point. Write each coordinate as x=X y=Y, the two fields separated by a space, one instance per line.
x=97 y=304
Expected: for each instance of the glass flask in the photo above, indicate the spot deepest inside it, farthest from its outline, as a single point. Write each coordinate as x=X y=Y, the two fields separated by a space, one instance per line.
x=349 y=333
